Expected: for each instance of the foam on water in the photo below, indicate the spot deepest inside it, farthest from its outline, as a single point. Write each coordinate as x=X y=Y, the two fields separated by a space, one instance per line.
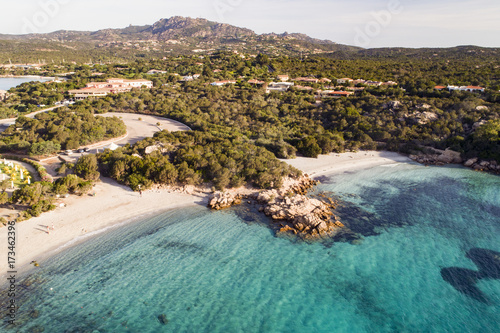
x=217 y=272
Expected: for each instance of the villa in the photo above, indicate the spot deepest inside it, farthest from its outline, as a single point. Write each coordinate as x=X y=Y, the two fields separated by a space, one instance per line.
x=335 y=94
x=256 y=82
x=306 y=79
x=279 y=86
x=223 y=83
x=465 y=88
x=156 y=71
x=344 y=80
x=111 y=86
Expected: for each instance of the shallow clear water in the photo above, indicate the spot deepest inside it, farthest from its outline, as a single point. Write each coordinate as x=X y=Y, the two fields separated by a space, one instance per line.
x=226 y=271
x=10 y=82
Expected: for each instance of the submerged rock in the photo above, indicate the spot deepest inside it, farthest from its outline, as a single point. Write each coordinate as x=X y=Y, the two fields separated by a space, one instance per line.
x=163 y=319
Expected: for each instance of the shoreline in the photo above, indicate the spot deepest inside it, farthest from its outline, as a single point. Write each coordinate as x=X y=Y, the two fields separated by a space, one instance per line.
x=334 y=164
x=82 y=218
x=115 y=205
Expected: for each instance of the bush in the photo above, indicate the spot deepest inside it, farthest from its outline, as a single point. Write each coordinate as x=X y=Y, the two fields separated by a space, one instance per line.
x=44 y=148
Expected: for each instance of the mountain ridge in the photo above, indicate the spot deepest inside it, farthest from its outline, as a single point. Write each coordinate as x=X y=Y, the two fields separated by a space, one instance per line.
x=179 y=35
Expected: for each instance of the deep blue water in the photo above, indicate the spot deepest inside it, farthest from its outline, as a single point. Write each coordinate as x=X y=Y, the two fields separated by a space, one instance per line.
x=10 y=82
x=227 y=272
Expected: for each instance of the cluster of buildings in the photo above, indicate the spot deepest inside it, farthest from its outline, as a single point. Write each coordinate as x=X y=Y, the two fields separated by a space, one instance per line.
x=284 y=86
x=370 y=83
x=462 y=88
x=331 y=91
x=111 y=86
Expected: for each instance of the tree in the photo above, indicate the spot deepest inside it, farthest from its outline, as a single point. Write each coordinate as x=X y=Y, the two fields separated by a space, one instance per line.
x=87 y=168
x=309 y=147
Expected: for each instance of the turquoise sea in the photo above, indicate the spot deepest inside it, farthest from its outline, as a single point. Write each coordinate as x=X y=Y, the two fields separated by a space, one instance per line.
x=424 y=259
x=9 y=82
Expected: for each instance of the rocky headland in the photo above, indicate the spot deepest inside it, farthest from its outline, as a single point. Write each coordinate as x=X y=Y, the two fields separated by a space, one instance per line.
x=448 y=156
x=297 y=214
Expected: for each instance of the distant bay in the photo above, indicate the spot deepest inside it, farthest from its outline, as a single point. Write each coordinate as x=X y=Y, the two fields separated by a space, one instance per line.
x=10 y=82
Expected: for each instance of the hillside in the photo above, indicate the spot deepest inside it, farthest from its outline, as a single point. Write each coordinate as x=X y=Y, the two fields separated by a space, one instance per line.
x=183 y=36
x=176 y=35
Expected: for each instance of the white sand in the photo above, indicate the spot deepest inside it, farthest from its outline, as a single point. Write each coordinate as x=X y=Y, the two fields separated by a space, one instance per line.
x=112 y=205
x=340 y=163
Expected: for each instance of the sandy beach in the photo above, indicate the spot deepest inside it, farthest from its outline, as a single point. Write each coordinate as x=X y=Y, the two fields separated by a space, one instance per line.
x=340 y=163
x=84 y=217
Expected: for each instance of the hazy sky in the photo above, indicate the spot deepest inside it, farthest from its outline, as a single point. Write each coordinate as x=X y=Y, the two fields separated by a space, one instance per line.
x=366 y=23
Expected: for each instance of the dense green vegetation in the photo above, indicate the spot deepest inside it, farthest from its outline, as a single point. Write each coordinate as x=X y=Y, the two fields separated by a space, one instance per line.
x=30 y=96
x=194 y=157
x=39 y=197
x=239 y=130
x=59 y=129
x=284 y=123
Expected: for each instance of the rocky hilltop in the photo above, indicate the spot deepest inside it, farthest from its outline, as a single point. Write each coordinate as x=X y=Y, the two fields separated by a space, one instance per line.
x=178 y=26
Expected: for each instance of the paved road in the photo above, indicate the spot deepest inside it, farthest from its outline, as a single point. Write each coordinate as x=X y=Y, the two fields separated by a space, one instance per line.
x=4 y=123
x=136 y=130
x=146 y=127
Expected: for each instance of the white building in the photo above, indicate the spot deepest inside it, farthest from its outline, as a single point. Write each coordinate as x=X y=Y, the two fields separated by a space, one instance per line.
x=344 y=80
x=111 y=86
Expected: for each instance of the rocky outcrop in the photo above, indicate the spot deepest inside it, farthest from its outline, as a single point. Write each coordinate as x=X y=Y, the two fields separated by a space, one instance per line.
x=422 y=117
x=481 y=165
x=156 y=147
x=448 y=156
x=177 y=26
x=222 y=200
x=423 y=106
x=392 y=105
x=478 y=124
x=298 y=214
x=306 y=217
x=439 y=157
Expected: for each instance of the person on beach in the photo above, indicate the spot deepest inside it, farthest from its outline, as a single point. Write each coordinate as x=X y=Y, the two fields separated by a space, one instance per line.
x=140 y=193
